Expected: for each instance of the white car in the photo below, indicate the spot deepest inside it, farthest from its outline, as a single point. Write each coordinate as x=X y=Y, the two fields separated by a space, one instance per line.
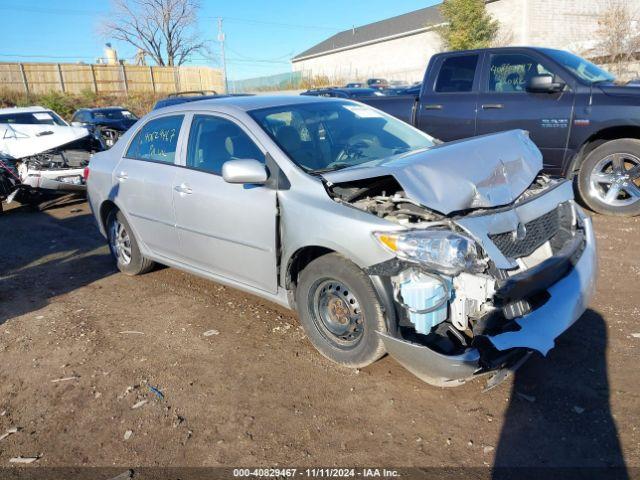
x=40 y=151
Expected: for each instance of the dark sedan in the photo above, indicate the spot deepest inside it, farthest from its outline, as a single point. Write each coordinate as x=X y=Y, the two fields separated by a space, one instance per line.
x=110 y=122
x=193 y=96
x=342 y=92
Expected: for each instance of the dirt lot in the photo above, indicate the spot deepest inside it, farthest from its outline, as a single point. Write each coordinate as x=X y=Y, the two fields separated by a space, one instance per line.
x=81 y=346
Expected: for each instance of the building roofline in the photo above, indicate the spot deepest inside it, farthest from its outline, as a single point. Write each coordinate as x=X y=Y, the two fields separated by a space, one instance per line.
x=399 y=26
x=409 y=33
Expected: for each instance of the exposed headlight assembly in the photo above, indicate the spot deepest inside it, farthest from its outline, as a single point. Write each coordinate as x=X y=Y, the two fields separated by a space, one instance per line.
x=445 y=251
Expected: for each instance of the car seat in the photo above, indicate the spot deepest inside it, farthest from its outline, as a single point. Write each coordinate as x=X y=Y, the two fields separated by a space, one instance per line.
x=214 y=148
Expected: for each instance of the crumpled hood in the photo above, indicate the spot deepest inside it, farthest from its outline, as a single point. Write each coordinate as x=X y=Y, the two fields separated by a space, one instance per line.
x=482 y=172
x=23 y=140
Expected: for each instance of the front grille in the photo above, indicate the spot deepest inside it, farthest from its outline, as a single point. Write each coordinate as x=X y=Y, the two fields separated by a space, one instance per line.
x=538 y=232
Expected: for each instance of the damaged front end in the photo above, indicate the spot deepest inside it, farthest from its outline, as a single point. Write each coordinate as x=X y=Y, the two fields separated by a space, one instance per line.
x=43 y=161
x=477 y=290
x=60 y=169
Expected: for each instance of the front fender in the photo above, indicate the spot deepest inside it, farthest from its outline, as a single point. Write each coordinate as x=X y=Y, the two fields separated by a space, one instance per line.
x=310 y=218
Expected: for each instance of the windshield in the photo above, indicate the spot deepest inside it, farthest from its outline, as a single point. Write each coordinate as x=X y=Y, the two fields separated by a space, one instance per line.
x=113 y=114
x=32 y=118
x=580 y=67
x=326 y=136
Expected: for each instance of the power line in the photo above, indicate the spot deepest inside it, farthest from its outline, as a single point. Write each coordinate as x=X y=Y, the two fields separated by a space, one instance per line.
x=280 y=24
x=281 y=58
x=54 y=11
x=46 y=56
x=242 y=60
x=205 y=59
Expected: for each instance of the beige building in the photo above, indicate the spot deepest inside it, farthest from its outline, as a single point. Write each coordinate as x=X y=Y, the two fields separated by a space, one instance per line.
x=399 y=48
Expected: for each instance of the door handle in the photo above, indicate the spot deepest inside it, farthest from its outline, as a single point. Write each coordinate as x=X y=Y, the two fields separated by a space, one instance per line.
x=122 y=176
x=433 y=107
x=492 y=106
x=183 y=188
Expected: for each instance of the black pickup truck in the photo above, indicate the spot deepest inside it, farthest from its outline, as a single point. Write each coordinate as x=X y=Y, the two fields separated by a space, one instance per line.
x=587 y=126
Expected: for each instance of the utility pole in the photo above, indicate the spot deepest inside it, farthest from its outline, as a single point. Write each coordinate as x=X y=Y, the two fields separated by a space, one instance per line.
x=221 y=38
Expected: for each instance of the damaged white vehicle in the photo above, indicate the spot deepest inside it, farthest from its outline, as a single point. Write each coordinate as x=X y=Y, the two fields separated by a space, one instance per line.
x=457 y=259
x=41 y=154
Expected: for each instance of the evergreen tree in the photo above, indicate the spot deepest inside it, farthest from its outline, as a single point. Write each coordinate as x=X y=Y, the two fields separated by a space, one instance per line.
x=468 y=25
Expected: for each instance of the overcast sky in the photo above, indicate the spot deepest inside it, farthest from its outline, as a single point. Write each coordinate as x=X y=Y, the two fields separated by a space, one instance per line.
x=262 y=35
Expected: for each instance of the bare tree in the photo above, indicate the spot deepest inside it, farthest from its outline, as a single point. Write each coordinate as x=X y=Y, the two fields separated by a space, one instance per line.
x=617 y=37
x=165 y=30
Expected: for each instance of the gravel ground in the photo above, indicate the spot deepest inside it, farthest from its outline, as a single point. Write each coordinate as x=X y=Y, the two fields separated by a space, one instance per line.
x=101 y=369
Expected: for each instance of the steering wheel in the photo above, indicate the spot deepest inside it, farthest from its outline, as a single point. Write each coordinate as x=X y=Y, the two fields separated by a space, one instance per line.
x=356 y=143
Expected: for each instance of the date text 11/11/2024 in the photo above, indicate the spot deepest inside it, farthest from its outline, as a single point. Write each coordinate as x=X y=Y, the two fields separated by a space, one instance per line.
x=316 y=472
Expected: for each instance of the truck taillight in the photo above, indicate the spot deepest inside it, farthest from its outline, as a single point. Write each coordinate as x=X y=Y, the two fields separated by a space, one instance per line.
x=85 y=173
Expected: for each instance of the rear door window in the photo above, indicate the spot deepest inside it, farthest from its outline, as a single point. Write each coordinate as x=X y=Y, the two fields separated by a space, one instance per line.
x=457 y=74
x=157 y=141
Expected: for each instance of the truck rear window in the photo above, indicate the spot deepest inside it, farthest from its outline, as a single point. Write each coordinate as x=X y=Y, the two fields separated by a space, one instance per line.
x=457 y=74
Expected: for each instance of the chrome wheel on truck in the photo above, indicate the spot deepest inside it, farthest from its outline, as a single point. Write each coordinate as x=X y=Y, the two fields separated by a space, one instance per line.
x=615 y=180
x=609 y=178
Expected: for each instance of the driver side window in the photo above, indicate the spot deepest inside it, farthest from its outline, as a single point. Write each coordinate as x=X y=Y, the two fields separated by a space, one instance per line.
x=510 y=73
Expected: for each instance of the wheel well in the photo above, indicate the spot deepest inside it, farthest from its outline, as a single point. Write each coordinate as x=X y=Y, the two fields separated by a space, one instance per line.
x=597 y=139
x=105 y=209
x=299 y=260
x=304 y=256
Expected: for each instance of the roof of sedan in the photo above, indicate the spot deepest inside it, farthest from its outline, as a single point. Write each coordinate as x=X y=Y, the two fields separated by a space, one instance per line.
x=35 y=108
x=249 y=103
x=102 y=109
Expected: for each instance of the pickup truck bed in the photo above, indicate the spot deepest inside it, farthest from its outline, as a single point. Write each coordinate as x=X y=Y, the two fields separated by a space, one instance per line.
x=400 y=106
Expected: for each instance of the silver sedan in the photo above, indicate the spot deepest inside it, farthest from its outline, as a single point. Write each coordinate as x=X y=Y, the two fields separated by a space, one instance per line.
x=457 y=259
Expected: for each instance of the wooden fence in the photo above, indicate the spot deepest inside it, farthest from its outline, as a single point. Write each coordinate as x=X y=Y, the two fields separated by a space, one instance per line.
x=110 y=79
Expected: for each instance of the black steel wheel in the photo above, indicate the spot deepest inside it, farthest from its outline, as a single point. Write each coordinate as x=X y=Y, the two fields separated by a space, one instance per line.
x=336 y=312
x=340 y=311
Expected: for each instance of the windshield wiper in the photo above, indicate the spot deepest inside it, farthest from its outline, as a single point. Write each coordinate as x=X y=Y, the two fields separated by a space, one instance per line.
x=605 y=80
x=337 y=166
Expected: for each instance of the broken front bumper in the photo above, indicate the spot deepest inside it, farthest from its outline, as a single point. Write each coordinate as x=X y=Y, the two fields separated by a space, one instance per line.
x=568 y=299
x=67 y=180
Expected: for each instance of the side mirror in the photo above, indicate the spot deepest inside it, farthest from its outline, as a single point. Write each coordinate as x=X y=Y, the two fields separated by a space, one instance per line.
x=244 y=171
x=544 y=84
x=77 y=124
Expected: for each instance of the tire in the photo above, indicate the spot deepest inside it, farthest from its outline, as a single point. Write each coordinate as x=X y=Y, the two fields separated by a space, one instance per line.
x=340 y=311
x=613 y=165
x=124 y=246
